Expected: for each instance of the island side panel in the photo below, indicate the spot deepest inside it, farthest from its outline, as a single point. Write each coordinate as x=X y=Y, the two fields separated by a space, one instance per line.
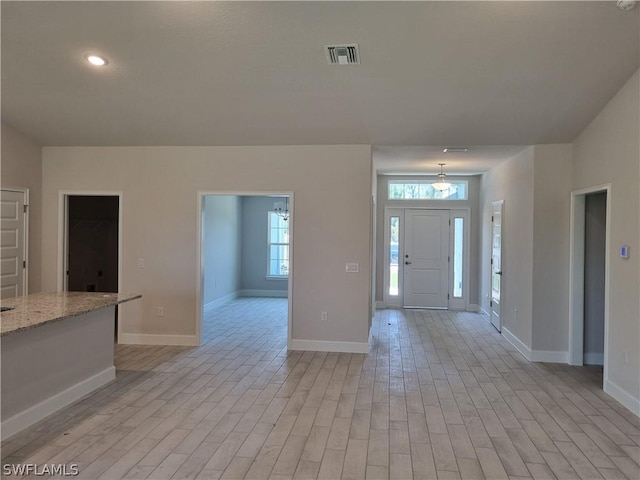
x=50 y=366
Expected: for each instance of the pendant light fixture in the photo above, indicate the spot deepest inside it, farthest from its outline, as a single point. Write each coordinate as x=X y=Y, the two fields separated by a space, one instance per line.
x=626 y=5
x=442 y=183
x=282 y=209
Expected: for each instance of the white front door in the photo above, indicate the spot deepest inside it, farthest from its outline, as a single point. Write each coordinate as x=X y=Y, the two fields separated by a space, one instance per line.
x=12 y=244
x=426 y=258
x=496 y=264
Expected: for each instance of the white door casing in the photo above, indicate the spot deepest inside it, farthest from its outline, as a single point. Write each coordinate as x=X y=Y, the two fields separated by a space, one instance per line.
x=576 y=278
x=200 y=254
x=63 y=243
x=426 y=258
x=13 y=243
x=496 y=264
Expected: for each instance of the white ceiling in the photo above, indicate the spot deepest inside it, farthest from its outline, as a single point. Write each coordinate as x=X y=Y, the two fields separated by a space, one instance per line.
x=254 y=73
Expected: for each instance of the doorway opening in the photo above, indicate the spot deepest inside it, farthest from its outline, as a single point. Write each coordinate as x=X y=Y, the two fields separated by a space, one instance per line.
x=245 y=265
x=91 y=242
x=594 y=254
x=426 y=254
x=589 y=276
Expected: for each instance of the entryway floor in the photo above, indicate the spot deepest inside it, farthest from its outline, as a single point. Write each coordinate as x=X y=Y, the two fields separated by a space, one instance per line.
x=441 y=395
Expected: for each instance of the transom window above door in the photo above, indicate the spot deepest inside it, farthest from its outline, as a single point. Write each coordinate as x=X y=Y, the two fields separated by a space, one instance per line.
x=424 y=190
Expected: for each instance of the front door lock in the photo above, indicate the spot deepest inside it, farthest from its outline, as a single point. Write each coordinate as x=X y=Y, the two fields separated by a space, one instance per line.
x=407 y=263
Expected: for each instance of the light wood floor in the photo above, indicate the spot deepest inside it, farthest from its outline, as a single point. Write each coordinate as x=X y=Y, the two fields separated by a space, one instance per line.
x=441 y=395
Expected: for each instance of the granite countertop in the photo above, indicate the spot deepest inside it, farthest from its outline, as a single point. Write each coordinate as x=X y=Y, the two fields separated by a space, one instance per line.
x=38 y=309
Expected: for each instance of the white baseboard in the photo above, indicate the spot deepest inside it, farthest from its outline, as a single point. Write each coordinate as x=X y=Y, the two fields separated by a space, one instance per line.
x=472 y=307
x=152 y=339
x=327 y=346
x=544 y=356
x=264 y=293
x=218 y=302
x=593 y=359
x=33 y=414
x=547 y=356
x=483 y=311
x=517 y=343
x=624 y=397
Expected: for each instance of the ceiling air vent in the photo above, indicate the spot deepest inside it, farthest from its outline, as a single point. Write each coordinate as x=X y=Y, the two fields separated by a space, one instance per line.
x=342 y=54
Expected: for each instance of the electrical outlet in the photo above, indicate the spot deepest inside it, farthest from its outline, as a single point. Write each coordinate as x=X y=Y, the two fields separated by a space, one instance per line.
x=160 y=312
x=141 y=263
x=324 y=316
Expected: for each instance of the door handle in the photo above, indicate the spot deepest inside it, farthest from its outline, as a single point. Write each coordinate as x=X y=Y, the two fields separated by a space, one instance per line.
x=499 y=273
x=407 y=263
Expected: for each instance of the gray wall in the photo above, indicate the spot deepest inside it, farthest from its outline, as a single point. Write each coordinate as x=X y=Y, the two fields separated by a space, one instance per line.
x=332 y=188
x=608 y=151
x=511 y=181
x=254 y=246
x=221 y=228
x=21 y=166
x=551 y=238
x=536 y=189
x=472 y=203
x=594 y=255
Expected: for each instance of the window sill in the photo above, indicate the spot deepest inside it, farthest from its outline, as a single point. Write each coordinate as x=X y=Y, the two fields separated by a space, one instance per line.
x=278 y=277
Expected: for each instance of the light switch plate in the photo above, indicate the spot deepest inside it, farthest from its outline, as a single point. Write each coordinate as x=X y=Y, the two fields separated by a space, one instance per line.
x=353 y=267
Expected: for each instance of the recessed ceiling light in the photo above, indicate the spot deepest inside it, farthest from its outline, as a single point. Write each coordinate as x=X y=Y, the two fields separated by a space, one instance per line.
x=455 y=149
x=97 y=60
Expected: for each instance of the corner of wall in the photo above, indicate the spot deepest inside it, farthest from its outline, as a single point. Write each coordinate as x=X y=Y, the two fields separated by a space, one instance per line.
x=511 y=181
x=552 y=170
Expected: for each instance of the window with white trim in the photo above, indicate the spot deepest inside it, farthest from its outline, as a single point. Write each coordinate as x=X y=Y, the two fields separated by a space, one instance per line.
x=278 y=253
x=424 y=190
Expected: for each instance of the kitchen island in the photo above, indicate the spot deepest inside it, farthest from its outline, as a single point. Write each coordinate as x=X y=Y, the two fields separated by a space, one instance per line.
x=55 y=348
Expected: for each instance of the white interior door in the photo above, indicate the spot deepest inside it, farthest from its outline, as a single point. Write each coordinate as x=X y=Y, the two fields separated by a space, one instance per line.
x=496 y=264
x=426 y=258
x=12 y=244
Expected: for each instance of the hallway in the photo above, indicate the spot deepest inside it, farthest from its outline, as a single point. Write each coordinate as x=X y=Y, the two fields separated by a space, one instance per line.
x=441 y=395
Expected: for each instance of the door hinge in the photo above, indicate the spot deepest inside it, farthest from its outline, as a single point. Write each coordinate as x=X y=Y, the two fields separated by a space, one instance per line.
x=25 y=208
x=448 y=296
x=492 y=261
x=492 y=218
x=449 y=222
x=491 y=303
x=24 y=264
x=449 y=259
